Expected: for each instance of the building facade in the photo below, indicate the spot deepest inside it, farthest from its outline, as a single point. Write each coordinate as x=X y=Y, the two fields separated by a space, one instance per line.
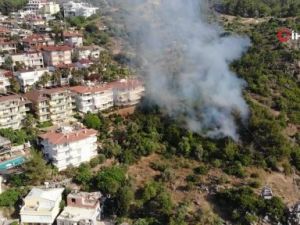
x=78 y=9
x=41 y=206
x=51 y=8
x=55 y=55
x=127 y=92
x=93 y=99
x=29 y=59
x=69 y=146
x=82 y=208
x=8 y=46
x=4 y=83
x=73 y=39
x=89 y=52
x=55 y=104
x=28 y=78
x=36 y=41
x=35 y=5
x=12 y=111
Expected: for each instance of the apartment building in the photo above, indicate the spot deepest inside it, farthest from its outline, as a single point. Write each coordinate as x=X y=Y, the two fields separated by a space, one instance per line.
x=36 y=41
x=8 y=46
x=35 y=5
x=32 y=59
x=51 y=8
x=55 y=55
x=127 y=92
x=73 y=38
x=55 y=104
x=89 y=52
x=69 y=146
x=29 y=77
x=41 y=206
x=82 y=208
x=4 y=83
x=94 y=98
x=78 y=9
x=12 y=111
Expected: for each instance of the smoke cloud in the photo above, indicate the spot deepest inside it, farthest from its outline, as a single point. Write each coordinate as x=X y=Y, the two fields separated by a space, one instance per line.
x=186 y=64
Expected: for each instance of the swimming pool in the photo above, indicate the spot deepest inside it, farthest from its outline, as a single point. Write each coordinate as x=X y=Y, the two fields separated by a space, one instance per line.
x=12 y=163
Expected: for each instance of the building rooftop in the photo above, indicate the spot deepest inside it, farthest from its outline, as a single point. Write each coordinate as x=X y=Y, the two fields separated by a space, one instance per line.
x=127 y=84
x=41 y=95
x=58 y=137
x=53 y=48
x=76 y=214
x=10 y=97
x=90 y=89
x=41 y=199
x=89 y=198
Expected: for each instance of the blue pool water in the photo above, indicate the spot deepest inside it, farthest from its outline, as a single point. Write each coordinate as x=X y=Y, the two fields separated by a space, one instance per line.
x=12 y=163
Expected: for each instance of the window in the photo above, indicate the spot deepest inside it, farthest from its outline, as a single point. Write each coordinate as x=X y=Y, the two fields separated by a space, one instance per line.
x=73 y=200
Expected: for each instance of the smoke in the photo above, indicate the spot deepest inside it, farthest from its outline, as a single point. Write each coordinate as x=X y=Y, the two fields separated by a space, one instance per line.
x=186 y=64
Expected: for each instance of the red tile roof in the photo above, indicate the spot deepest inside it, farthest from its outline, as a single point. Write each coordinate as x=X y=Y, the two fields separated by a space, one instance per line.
x=57 y=48
x=36 y=38
x=4 y=98
x=41 y=95
x=58 y=138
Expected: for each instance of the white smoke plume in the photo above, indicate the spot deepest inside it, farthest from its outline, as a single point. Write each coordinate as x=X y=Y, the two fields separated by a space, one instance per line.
x=187 y=64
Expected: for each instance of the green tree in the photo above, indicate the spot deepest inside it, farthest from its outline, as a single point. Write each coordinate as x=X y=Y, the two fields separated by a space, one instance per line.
x=110 y=180
x=92 y=121
x=83 y=175
x=36 y=169
x=14 y=85
x=9 y=197
x=124 y=197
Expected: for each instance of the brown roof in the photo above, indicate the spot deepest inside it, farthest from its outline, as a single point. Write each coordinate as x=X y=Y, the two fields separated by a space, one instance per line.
x=58 y=138
x=35 y=38
x=35 y=96
x=86 y=89
x=54 y=48
x=41 y=95
x=4 y=98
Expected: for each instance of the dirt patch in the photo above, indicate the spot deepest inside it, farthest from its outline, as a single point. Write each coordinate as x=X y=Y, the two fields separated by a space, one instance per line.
x=142 y=172
x=282 y=185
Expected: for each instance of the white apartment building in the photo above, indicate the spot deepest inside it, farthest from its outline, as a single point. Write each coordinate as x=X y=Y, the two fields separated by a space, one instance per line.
x=41 y=206
x=73 y=39
x=12 y=111
x=55 y=104
x=78 y=9
x=27 y=78
x=35 y=5
x=93 y=99
x=127 y=92
x=56 y=55
x=82 y=208
x=69 y=146
x=4 y=83
x=51 y=8
x=29 y=59
x=89 y=52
